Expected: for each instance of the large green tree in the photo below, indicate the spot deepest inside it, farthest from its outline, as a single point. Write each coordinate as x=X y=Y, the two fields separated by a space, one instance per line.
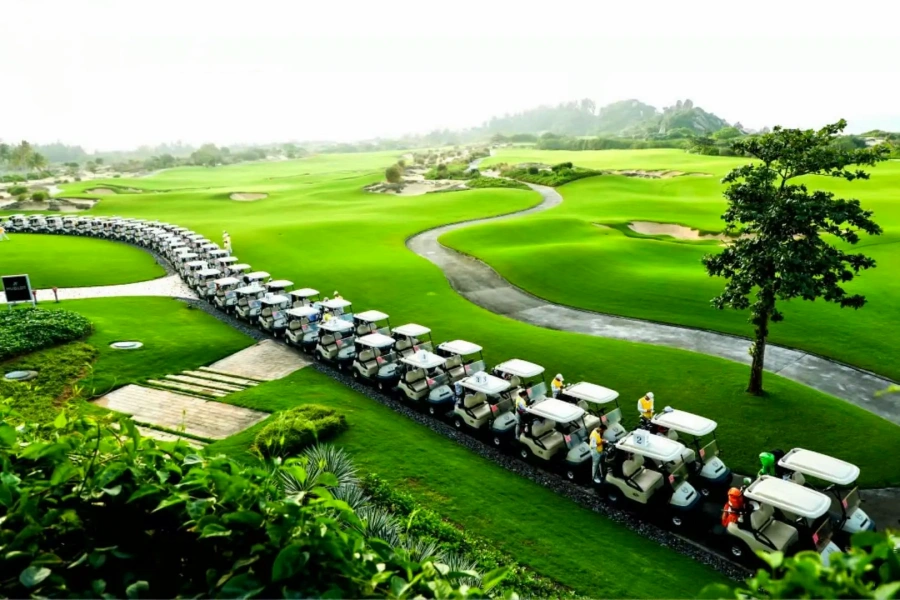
x=793 y=238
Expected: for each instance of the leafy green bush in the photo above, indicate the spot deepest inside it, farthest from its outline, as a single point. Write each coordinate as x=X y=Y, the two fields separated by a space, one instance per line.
x=39 y=196
x=58 y=369
x=457 y=169
x=290 y=431
x=29 y=329
x=556 y=176
x=496 y=182
x=871 y=569
x=91 y=509
x=393 y=174
x=17 y=190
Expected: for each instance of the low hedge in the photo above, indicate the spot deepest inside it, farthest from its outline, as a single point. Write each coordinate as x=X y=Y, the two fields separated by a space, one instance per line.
x=29 y=329
x=291 y=431
x=496 y=182
x=558 y=175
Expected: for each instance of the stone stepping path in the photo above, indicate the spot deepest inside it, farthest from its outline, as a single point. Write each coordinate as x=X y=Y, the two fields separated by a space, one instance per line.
x=266 y=360
x=165 y=436
x=195 y=416
x=171 y=286
x=213 y=376
x=186 y=387
x=206 y=383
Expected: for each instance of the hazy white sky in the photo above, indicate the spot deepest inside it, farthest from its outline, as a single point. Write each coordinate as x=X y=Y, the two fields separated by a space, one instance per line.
x=122 y=73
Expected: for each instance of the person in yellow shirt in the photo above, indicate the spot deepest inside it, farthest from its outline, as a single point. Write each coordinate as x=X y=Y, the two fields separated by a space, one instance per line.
x=645 y=406
x=598 y=451
x=521 y=404
x=556 y=385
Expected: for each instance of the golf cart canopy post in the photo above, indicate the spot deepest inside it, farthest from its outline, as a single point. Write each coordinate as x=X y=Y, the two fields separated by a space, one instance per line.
x=520 y=368
x=660 y=449
x=487 y=384
x=412 y=330
x=302 y=312
x=556 y=410
x=821 y=466
x=788 y=496
x=685 y=422
x=376 y=340
x=423 y=359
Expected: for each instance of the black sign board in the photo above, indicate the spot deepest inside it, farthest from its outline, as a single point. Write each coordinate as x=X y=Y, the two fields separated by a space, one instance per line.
x=17 y=288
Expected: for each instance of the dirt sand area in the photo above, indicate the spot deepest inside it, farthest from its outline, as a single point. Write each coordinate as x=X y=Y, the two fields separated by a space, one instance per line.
x=248 y=196
x=679 y=232
x=100 y=191
x=417 y=187
x=653 y=174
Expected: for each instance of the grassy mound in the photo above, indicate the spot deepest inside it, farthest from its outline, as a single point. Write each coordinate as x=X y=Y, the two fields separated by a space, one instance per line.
x=292 y=430
x=29 y=329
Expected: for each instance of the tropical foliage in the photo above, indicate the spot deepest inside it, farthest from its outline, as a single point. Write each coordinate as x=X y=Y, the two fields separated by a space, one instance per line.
x=290 y=431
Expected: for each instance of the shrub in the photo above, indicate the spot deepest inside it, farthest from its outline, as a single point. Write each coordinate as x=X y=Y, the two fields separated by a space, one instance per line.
x=39 y=196
x=17 y=190
x=393 y=174
x=291 y=430
x=496 y=182
x=558 y=175
x=91 y=509
x=533 y=170
x=29 y=329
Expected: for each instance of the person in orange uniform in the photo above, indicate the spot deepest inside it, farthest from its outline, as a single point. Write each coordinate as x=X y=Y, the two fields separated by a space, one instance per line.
x=735 y=509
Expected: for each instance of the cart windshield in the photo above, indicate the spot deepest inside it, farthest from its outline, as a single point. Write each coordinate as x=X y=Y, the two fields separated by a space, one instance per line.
x=437 y=379
x=709 y=451
x=474 y=367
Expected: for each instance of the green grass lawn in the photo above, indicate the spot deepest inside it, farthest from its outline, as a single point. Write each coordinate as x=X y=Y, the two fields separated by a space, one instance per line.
x=319 y=229
x=175 y=338
x=66 y=261
x=554 y=536
x=567 y=256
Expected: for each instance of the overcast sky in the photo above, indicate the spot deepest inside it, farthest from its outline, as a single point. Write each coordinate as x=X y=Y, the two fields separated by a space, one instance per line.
x=111 y=75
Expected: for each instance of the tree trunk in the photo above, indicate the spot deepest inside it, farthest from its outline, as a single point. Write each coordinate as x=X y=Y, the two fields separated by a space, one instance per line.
x=758 y=352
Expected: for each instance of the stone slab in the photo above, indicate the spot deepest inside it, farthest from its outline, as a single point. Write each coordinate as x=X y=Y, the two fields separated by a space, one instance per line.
x=202 y=418
x=206 y=383
x=266 y=360
x=165 y=436
x=186 y=387
x=239 y=381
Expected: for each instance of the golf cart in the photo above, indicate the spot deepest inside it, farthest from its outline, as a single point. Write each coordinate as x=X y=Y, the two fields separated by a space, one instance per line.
x=486 y=401
x=523 y=375
x=375 y=361
x=205 y=284
x=411 y=338
x=701 y=456
x=593 y=399
x=54 y=224
x=271 y=314
x=191 y=268
x=256 y=277
x=84 y=225
x=304 y=297
x=761 y=530
x=70 y=224
x=215 y=255
x=248 y=306
x=279 y=286
x=239 y=270
x=463 y=359
x=625 y=476
x=335 y=343
x=181 y=259
x=336 y=307
x=839 y=477
x=17 y=223
x=226 y=297
x=556 y=433
x=37 y=224
x=425 y=381
x=223 y=262
x=302 y=327
x=207 y=248
x=371 y=321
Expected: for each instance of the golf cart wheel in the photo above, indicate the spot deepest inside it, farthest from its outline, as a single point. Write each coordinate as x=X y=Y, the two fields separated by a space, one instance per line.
x=737 y=551
x=457 y=422
x=497 y=441
x=676 y=521
x=431 y=411
x=705 y=491
x=570 y=474
x=355 y=374
x=613 y=495
x=380 y=386
x=524 y=454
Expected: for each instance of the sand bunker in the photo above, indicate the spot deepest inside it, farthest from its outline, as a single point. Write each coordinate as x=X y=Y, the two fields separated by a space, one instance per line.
x=247 y=196
x=100 y=191
x=679 y=232
x=652 y=174
x=411 y=187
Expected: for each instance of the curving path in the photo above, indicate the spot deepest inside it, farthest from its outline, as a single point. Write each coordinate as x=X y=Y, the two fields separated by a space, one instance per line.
x=168 y=286
x=481 y=285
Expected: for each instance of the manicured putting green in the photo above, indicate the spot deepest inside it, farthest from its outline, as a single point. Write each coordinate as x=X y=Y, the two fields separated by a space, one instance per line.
x=568 y=256
x=68 y=261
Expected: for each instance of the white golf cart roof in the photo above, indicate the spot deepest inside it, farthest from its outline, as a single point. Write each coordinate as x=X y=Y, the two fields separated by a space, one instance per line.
x=190 y=236
x=302 y=311
x=240 y=267
x=184 y=253
x=226 y=260
x=412 y=330
x=336 y=325
x=274 y=299
x=281 y=283
x=250 y=289
x=487 y=384
x=827 y=468
x=196 y=263
x=788 y=496
x=209 y=246
x=371 y=316
x=305 y=293
x=423 y=359
x=336 y=303
x=589 y=392
x=208 y=272
x=556 y=410
x=685 y=422
x=460 y=347
x=655 y=446
x=257 y=275
x=520 y=368
x=227 y=281
x=376 y=340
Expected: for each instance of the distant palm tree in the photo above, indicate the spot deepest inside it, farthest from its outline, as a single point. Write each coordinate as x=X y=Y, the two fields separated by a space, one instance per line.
x=37 y=161
x=20 y=156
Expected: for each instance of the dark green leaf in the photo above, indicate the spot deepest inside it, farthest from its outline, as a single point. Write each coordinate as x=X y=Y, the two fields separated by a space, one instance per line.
x=244 y=517
x=32 y=576
x=60 y=421
x=143 y=491
x=214 y=530
x=289 y=562
x=7 y=435
x=134 y=590
x=242 y=586
x=494 y=578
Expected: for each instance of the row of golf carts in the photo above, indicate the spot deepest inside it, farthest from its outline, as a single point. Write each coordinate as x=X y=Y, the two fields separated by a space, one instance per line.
x=667 y=469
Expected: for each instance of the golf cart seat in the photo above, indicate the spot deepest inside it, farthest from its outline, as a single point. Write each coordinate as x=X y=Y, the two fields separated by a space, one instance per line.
x=590 y=421
x=404 y=347
x=266 y=312
x=454 y=367
x=416 y=380
x=798 y=478
x=295 y=325
x=477 y=405
x=514 y=381
x=546 y=435
x=766 y=532
x=327 y=340
x=363 y=328
x=644 y=479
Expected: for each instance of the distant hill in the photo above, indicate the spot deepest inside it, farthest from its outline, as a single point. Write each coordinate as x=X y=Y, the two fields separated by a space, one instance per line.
x=630 y=118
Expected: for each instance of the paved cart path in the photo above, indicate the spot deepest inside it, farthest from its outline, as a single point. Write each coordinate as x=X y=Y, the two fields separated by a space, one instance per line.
x=169 y=286
x=482 y=285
